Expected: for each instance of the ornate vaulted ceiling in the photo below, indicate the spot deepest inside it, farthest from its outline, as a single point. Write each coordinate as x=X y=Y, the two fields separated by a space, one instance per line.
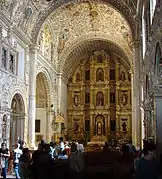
x=85 y=49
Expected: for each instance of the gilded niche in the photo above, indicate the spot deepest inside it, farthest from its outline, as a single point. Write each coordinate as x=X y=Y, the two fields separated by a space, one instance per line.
x=98 y=97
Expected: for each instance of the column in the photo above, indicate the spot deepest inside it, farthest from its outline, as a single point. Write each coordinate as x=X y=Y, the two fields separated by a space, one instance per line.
x=32 y=95
x=136 y=117
x=1 y=123
x=50 y=116
x=8 y=130
x=0 y=45
x=158 y=115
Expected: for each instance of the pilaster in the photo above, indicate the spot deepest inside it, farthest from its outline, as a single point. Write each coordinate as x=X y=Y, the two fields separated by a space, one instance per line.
x=32 y=94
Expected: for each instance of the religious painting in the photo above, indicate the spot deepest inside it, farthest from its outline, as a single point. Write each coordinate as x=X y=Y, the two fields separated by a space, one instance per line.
x=100 y=75
x=122 y=76
x=124 y=98
x=77 y=77
x=100 y=99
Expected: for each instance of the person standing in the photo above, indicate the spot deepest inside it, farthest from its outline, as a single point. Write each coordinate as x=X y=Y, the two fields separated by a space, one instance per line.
x=62 y=146
x=17 y=155
x=4 y=153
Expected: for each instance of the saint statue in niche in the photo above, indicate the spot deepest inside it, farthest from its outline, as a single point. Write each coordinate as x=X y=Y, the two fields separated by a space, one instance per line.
x=76 y=127
x=100 y=75
x=122 y=76
x=124 y=127
x=77 y=77
x=99 y=128
x=124 y=98
x=76 y=100
x=100 y=99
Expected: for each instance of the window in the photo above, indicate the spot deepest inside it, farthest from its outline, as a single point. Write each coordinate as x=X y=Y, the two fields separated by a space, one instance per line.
x=113 y=125
x=11 y=64
x=37 y=125
x=87 y=98
x=112 y=74
x=87 y=75
x=112 y=97
x=4 y=59
x=87 y=125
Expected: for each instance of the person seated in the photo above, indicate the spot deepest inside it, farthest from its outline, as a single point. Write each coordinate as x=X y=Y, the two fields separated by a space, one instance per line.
x=63 y=155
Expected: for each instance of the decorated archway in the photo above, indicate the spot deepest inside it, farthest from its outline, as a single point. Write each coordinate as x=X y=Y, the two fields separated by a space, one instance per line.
x=17 y=121
x=44 y=113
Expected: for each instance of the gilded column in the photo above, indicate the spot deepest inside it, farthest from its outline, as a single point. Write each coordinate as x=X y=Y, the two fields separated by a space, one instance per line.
x=32 y=95
x=136 y=118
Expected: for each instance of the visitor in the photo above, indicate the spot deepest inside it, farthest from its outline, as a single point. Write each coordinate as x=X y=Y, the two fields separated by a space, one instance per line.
x=63 y=155
x=52 y=149
x=17 y=155
x=24 y=164
x=4 y=152
x=62 y=146
x=124 y=167
x=147 y=166
x=76 y=163
x=80 y=147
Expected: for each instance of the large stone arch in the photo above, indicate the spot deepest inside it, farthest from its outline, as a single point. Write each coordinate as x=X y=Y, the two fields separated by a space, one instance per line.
x=17 y=119
x=49 y=83
x=42 y=80
x=120 y=6
x=18 y=90
x=72 y=60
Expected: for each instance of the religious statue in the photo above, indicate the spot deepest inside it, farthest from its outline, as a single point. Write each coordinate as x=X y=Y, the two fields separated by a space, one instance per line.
x=100 y=99
x=122 y=76
x=100 y=75
x=62 y=40
x=77 y=77
x=124 y=98
x=76 y=100
x=124 y=127
x=99 y=128
x=11 y=64
x=76 y=127
x=27 y=15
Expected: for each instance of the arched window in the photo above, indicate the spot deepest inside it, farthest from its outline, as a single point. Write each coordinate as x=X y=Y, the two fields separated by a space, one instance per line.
x=100 y=99
x=158 y=62
x=99 y=74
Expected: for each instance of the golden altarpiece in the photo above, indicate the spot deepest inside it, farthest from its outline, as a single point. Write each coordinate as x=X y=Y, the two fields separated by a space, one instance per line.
x=99 y=99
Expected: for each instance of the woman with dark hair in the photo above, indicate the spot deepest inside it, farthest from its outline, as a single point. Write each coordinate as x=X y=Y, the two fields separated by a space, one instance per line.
x=4 y=153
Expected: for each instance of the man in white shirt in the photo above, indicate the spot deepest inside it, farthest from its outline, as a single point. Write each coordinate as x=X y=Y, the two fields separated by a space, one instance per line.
x=62 y=146
x=17 y=154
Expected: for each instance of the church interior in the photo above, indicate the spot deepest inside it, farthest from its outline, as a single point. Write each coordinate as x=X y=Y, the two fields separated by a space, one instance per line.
x=85 y=70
